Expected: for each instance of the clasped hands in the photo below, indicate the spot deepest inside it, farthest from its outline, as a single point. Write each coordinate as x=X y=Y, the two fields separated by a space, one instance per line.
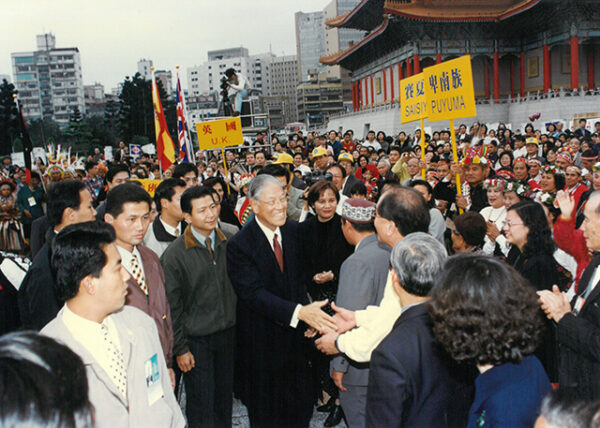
x=343 y=320
x=554 y=303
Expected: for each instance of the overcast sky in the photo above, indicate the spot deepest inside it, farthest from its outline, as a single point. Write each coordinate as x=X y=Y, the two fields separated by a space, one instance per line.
x=112 y=35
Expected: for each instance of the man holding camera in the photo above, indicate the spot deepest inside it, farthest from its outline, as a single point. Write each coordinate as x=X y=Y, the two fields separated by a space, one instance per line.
x=240 y=84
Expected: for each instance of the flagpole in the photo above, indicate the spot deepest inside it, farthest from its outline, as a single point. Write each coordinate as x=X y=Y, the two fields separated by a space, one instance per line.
x=155 y=88
x=190 y=148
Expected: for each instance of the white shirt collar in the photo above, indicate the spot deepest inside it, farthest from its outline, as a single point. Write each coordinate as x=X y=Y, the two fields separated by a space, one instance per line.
x=270 y=233
x=175 y=231
x=126 y=258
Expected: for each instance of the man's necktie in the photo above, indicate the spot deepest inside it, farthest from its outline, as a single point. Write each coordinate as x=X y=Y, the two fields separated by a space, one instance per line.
x=208 y=243
x=116 y=366
x=138 y=275
x=278 y=252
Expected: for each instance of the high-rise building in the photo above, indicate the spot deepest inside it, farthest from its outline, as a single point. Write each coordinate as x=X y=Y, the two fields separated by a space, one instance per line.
x=318 y=98
x=284 y=80
x=165 y=77
x=95 y=100
x=49 y=80
x=310 y=42
x=144 y=67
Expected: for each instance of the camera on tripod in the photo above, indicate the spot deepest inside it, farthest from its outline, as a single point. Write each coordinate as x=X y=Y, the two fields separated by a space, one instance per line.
x=316 y=176
x=224 y=86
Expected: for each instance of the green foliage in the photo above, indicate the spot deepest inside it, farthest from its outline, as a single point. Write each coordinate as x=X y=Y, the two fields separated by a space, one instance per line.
x=142 y=140
x=8 y=117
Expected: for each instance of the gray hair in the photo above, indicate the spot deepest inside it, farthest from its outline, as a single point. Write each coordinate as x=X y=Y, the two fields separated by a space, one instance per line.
x=561 y=411
x=258 y=184
x=418 y=259
x=385 y=161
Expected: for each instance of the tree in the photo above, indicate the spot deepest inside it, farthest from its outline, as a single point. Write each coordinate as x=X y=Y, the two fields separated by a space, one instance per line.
x=44 y=131
x=136 y=110
x=9 y=125
x=78 y=132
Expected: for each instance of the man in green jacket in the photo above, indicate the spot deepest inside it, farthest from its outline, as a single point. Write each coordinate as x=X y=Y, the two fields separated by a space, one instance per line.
x=203 y=305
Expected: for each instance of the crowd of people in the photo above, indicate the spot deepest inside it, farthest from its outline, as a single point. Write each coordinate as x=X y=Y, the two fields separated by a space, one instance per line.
x=380 y=281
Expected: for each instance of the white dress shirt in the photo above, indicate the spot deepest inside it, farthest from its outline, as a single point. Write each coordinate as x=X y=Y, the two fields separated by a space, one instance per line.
x=270 y=234
x=90 y=335
x=175 y=231
x=127 y=258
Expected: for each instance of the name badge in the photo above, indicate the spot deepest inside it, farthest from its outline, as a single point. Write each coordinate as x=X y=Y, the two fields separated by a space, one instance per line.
x=153 y=383
x=31 y=201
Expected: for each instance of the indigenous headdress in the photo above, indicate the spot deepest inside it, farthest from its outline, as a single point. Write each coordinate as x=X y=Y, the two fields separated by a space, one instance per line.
x=505 y=173
x=358 y=210
x=244 y=180
x=9 y=183
x=475 y=156
x=531 y=162
x=521 y=159
x=546 y=198
x=495 y=182
x=565 y=153
x=596 y=167
x=553 y=169
x=522 y=190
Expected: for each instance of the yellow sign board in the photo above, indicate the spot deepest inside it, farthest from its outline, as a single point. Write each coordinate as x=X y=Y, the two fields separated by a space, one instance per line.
x=149 y=185
x=413 y=101
x=220 y=133
x=449 y=90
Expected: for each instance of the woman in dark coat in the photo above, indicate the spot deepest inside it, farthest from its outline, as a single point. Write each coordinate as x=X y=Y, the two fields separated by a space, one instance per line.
x=325 y=249
x=532 y=255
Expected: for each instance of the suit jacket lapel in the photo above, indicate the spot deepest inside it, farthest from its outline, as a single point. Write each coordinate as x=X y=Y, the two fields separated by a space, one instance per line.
x=588 y=275
x=264 y=246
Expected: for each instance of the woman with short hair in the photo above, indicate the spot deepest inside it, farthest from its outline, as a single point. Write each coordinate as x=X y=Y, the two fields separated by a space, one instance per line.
x=485 y=313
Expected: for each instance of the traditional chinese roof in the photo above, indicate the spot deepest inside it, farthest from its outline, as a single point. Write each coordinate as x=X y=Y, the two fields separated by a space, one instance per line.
x=458 y=10
x=337 y=57
x=367 y=15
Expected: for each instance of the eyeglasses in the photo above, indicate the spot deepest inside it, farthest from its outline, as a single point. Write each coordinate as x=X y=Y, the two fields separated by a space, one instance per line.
x=273 y=202
x=508 y=224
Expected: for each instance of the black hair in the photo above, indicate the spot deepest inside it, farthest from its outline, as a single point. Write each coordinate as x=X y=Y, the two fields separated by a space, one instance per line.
x=405 y=207
x=43 y=383
x=183 y=168
x=166 y=190
x=477 y=293
x=125 y=193
x=89 y=165
x=472 y=227
x=78 y=251
x=316 y=190
x=337 y=165
x=35 y=175
x=114 y=170
x=360 y=227
x=195 y=192
x=413 y=183
x=63 y=195
x=539 y=238
x=276 y=171
x=358 y=188
x=229 y=72
x=211 y=181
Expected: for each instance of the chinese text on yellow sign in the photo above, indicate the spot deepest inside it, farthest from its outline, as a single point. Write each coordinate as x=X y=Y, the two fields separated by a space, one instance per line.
x=413 y=101
x=220 y=133
x=449 y=90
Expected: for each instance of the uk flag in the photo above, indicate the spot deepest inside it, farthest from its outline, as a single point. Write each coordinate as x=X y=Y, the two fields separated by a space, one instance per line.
x=182 y=134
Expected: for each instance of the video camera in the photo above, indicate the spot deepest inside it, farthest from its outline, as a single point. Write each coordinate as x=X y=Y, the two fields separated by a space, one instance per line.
x=224 y=87
x=316 y=176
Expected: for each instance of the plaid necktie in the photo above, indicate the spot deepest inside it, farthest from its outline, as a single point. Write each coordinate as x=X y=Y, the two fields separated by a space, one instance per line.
x=138 y=275
x=117 y=371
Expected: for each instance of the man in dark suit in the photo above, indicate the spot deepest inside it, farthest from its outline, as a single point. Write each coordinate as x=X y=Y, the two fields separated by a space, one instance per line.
x=265 y=267
x=69 y=202
x=128 y=211
x=578 y=322
x=412 y=381
x=346 y=160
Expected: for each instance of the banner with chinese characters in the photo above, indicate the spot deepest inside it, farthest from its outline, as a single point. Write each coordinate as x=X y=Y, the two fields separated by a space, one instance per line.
x=220 y=133
x=413 y=100
x=449 y=90
x=149 y=185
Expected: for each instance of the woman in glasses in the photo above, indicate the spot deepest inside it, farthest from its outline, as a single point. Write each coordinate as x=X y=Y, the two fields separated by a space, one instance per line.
x=532 y=255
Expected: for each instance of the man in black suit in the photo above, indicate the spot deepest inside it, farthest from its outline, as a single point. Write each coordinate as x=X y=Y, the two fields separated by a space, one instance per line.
x=69 y=202
x=265 y=267
x=578 y=322
x=412 y=381
x=345 y=160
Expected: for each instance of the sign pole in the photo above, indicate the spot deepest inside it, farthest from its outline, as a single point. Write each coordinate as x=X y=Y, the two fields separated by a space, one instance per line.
x=455 y=157
x=225 y=168
x=423 y=146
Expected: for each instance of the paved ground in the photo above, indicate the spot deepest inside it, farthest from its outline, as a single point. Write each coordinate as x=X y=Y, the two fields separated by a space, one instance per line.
x=240 y=417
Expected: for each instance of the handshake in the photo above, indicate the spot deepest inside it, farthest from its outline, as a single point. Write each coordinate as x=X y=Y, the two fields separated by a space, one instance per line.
x=330 y=327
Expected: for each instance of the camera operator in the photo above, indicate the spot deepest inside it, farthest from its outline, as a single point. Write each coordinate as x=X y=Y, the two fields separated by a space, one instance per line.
x=240 y=84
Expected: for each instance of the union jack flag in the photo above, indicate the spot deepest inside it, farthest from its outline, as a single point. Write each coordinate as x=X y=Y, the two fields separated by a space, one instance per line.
x=182 y=135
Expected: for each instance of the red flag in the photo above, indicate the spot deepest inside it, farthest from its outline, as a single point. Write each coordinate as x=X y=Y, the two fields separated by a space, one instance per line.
x=165 y=150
